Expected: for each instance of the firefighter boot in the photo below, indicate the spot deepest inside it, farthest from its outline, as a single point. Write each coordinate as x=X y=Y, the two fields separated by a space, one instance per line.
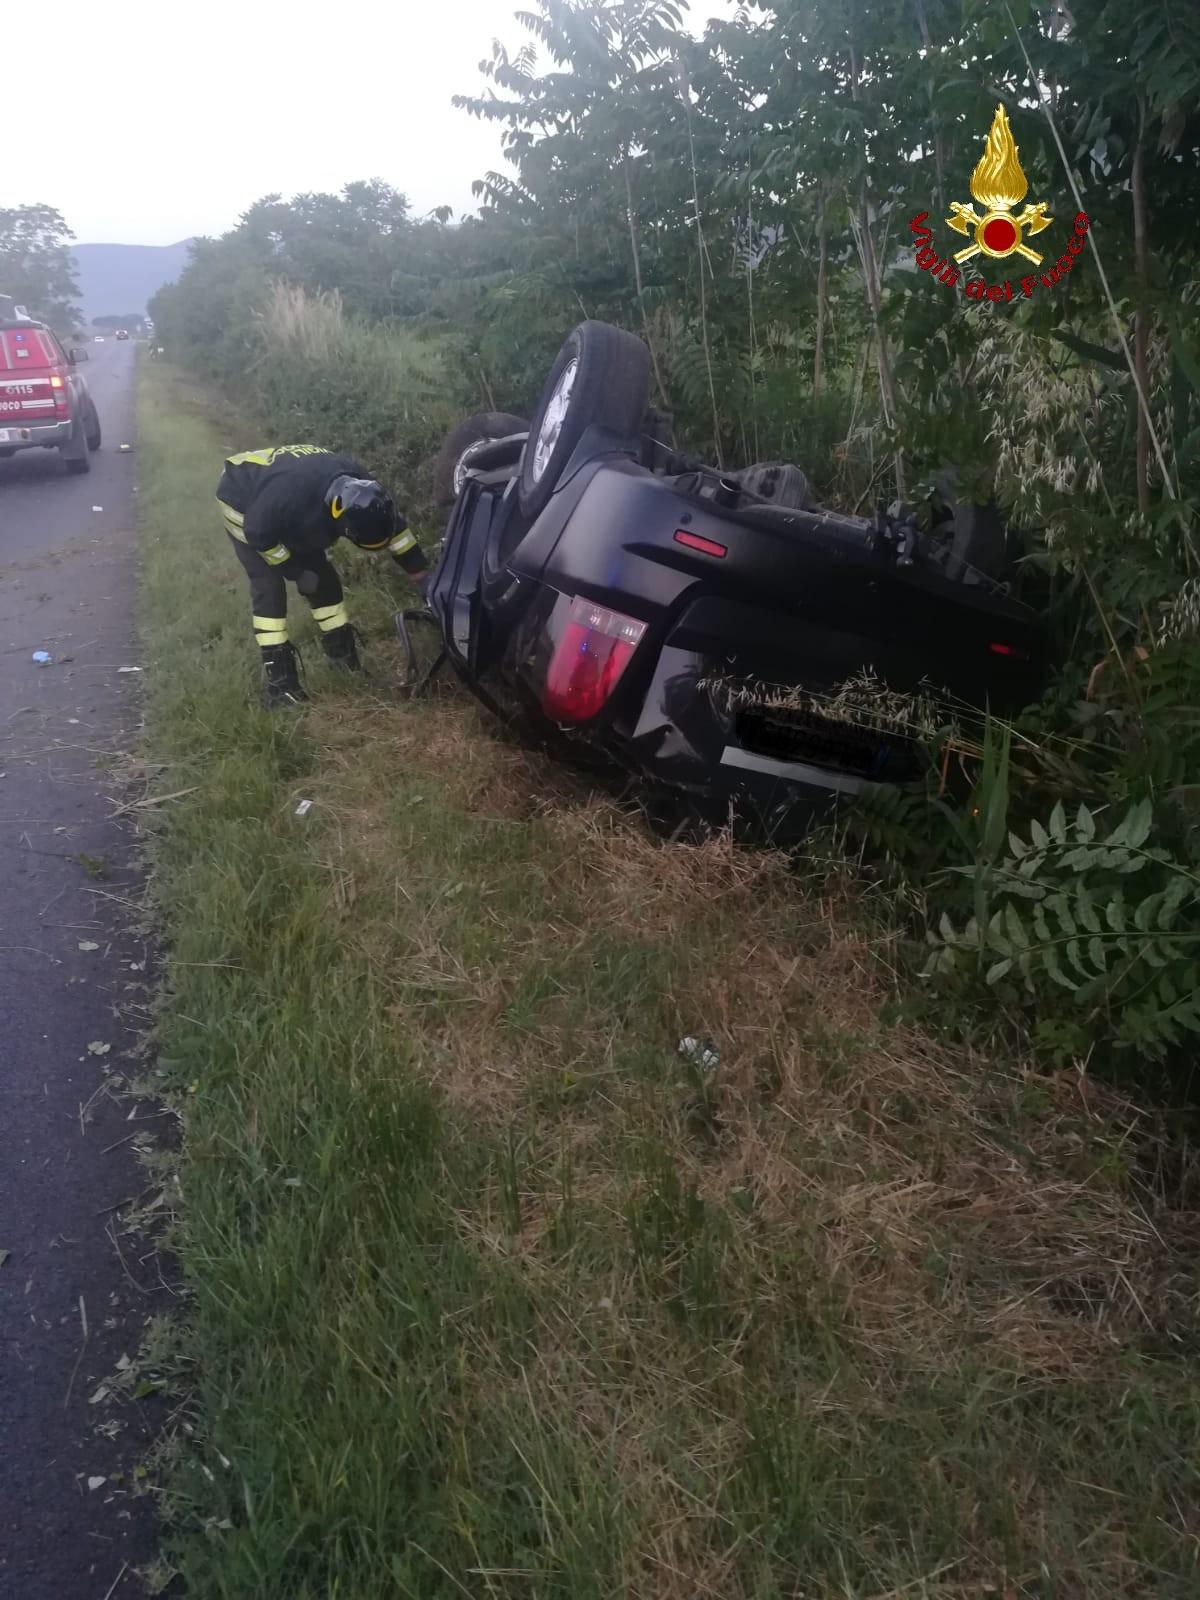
x=341 y=648
x=281 y=677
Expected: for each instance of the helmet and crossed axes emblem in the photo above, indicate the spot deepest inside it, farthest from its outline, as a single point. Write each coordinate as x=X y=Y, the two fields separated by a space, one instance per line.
x=999 y=185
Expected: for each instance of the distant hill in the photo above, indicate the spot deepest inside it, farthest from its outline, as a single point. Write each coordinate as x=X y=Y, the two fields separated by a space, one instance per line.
x=116 y=279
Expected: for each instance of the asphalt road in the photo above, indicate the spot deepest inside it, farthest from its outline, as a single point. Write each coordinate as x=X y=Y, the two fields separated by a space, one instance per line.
x=75 y=1287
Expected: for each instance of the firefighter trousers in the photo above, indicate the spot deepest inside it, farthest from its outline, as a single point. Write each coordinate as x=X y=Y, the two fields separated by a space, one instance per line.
x=315 y=577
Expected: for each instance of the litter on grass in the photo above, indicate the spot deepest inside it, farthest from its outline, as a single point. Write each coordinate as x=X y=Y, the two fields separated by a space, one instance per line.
x=702 y=1053
x=304 y=808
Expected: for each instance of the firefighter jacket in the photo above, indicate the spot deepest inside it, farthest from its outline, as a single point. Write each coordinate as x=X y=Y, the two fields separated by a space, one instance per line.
x=274 y=501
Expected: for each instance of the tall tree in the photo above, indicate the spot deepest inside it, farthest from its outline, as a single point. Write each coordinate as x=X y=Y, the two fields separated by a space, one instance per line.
x=36 y=265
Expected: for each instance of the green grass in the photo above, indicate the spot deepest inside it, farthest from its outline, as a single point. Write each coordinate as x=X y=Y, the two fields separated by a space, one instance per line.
x=493 y=1294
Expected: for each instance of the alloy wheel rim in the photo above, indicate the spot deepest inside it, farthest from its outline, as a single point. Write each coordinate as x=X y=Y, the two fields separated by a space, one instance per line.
x=553 y=418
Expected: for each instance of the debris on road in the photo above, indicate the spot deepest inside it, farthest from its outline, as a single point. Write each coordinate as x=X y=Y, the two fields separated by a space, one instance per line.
x=703 y=1053
x=97 y=508
x=98 y=1048
x=88 y=944
x=124 y=447
x=42 y=657
x=129 y=669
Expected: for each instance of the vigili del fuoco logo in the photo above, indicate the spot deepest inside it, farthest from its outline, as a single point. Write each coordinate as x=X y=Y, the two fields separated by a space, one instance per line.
x=998 y=186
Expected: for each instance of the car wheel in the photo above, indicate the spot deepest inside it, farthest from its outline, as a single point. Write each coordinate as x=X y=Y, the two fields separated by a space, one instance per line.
x=92 y=428
x=447 y=464
x=75 y=455
x=601 y=377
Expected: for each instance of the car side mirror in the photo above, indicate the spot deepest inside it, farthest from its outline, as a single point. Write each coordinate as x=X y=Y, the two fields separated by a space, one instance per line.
x=72 y=357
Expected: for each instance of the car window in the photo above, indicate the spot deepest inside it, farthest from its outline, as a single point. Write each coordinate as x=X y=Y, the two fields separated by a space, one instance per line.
x=24 y=350
x=55 y=353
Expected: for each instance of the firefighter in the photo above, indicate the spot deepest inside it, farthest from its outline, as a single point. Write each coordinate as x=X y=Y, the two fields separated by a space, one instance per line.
x=283 y=509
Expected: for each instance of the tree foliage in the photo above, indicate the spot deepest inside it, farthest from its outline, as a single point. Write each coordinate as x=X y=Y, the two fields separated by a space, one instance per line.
x=36 y=266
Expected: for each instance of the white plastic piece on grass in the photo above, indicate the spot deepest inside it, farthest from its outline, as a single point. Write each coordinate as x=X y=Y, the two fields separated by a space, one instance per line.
x=304 y=808
x=703 y=1053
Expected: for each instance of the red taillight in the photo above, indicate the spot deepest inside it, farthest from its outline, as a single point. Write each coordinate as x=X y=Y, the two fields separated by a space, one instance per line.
x=999 y=649
x=596 y=647
x=693 y=541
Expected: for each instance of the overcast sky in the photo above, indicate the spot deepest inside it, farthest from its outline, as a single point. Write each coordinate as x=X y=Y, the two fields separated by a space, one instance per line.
x=176 y=117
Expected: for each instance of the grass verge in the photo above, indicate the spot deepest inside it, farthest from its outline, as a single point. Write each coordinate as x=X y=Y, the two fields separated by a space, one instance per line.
x=494 y=1294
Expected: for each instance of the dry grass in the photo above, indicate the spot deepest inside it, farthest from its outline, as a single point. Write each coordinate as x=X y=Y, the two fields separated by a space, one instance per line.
x=944 y=1203
x=817 y=1108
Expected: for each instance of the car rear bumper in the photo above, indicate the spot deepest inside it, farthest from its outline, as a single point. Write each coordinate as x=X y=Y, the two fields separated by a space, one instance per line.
x=820 y=780
x=26 y=436
x=748 y=752
x=773 y=769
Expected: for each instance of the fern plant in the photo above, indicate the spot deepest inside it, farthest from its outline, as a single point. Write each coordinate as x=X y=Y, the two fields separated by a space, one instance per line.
x=1106 y=925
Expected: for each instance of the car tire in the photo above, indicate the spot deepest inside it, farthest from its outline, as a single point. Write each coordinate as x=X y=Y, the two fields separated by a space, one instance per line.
x=482 y=426
x=91 y=431
x=75 y=455
x=600 y=378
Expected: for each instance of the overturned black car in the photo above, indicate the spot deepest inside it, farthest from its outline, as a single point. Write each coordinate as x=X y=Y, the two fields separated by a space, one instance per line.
x=712 y=633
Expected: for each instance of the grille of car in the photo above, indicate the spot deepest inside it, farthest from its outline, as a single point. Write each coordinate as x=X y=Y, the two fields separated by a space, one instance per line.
x=785 y=734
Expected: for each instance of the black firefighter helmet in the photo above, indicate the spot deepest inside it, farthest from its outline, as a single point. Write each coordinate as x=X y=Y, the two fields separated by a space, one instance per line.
x=364 y=510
